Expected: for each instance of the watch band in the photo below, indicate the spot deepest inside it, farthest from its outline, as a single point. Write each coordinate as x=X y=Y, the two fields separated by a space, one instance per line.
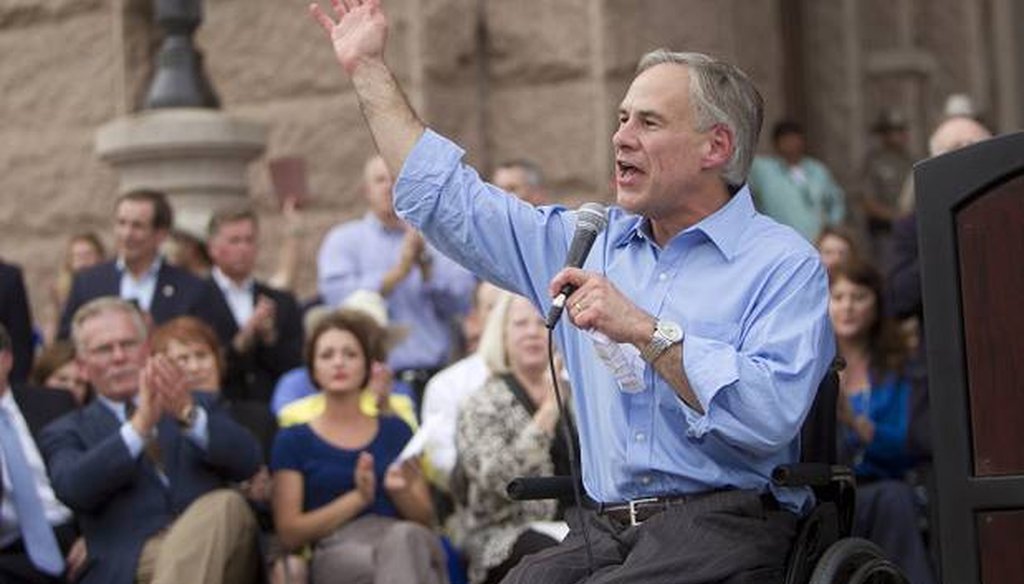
x=665 y=335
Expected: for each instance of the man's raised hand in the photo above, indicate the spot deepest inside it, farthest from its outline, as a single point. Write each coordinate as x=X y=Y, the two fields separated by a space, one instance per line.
x=359 y=33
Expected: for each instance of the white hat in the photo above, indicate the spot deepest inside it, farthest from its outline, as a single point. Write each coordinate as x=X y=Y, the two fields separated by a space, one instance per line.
x=370 y=303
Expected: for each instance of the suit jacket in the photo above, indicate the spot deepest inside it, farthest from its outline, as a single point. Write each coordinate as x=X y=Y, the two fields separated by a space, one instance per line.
x=120 y=501
x=176 y=292
x=17 y=319
x=251 y=376
x=40 y=406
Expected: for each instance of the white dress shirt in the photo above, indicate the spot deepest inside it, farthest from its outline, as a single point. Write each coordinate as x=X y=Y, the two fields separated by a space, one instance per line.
x=139 y=289
x=56 y=513
x=441 y=399
x=241 y=298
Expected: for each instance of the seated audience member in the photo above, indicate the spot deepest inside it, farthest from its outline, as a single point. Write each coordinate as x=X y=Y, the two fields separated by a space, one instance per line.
x=393 y=395
x=836 y=245
x=57 y=368
x=874 y=417
x=508 y=428
x=450 y=387
x=36 y=531
x=83 y=250
x=142 y=221
x=147 y=465
x=260 y=327
x=337 y=485
x=194 y=347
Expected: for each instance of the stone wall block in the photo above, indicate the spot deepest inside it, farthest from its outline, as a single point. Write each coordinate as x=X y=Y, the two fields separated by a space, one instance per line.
x=550 y=41
x=448 y=49
x=62 y=74
x=551 y=125
x=633 y=27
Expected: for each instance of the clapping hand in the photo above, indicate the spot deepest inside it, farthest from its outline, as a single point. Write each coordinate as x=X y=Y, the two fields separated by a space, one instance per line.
x=366 y=481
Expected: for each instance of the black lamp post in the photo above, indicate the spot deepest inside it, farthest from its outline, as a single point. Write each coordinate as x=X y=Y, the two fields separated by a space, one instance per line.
x=179 y=80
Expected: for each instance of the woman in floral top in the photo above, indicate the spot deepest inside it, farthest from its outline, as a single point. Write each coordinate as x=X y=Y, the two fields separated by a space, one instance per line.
x=508 y=428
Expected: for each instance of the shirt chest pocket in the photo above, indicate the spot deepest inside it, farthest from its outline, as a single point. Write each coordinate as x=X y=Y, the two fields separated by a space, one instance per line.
x=724 y=332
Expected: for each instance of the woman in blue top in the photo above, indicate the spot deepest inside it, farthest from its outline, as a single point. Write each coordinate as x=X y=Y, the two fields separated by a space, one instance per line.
x=335 y=487
x=874 y=416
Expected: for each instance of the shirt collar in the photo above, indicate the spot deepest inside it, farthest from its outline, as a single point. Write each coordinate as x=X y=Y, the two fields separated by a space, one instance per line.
x=7 y=400
x=723 y=227
x=151 y=271
x=117 y=408
x=226 y=284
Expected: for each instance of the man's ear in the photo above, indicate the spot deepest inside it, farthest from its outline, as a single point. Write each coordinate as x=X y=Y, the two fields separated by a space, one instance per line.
x=719 y=147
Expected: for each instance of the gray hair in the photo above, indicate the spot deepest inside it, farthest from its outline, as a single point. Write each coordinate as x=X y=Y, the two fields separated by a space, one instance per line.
x=720 y=93
x=102 y=305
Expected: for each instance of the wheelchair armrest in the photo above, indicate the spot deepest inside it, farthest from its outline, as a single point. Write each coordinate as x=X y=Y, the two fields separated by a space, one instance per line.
x=536 y=488
x=810 y=474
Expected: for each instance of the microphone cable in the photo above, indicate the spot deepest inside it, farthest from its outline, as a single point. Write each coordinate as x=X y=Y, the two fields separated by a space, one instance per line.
x=574 y=470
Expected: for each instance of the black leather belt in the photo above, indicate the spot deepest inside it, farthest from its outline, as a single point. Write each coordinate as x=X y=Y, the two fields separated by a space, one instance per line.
x=637 y=511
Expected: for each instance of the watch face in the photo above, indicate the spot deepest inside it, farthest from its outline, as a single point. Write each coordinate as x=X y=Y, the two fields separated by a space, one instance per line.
x=672 y=331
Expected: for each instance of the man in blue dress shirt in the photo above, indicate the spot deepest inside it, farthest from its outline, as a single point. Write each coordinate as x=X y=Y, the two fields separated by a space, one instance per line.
x=425 y=291
x=699 y=327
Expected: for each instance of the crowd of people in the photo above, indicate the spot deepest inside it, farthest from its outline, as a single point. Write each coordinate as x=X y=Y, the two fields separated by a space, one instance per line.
x=185 y=421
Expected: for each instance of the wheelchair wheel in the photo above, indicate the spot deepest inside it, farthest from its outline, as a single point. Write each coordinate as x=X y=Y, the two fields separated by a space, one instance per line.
x=855 y=561
x=877 y=571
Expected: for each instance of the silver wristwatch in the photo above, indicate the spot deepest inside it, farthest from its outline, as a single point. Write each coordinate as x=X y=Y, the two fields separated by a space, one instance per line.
x=666 y=334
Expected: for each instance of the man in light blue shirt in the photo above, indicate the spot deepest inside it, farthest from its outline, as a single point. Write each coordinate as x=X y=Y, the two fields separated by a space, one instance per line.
x=424 y=290
x=795 y=189
x=699 y=328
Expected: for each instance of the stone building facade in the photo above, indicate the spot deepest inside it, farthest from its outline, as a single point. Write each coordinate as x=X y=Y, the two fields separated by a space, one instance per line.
x=537 y=78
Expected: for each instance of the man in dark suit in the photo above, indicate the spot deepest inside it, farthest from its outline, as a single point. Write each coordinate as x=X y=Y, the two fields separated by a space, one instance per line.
x=260 y=327
x=17 y=317
x=36 y=536
x=142 y=221
x=145 y=466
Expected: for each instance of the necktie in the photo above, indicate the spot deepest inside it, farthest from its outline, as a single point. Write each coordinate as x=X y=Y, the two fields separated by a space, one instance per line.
x=36 y=532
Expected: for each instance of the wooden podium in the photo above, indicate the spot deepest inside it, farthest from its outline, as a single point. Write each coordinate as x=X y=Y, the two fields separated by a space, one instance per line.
x=971 y=239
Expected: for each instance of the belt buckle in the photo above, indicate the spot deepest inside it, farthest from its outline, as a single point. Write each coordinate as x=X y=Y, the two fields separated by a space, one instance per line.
x=633 y=522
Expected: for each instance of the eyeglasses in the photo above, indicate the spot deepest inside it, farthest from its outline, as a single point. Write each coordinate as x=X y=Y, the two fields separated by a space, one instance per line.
x=107 y=350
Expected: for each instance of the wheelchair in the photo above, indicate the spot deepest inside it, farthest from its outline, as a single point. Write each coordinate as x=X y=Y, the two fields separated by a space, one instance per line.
x=823 y=551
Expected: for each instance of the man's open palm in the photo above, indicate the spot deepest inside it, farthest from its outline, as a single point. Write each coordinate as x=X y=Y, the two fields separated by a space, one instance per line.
x=359 y=33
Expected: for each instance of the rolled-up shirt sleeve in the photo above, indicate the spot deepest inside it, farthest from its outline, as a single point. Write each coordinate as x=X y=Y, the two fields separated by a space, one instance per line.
x=755 y=396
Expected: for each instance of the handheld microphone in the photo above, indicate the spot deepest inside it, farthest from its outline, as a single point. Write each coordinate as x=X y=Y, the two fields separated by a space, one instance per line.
x=591 y=219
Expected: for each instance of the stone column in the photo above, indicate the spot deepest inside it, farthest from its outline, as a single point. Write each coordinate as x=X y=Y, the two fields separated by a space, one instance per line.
x=181 y=143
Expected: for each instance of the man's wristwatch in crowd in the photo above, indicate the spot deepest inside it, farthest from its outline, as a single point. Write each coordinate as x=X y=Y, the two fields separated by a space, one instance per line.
x=187 y=416
x=666 y=334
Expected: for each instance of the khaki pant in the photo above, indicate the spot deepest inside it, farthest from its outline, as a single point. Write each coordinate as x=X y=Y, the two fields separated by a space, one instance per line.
x=213 y=541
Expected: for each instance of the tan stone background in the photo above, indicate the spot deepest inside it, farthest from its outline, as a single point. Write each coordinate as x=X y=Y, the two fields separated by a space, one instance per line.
x=505 y=78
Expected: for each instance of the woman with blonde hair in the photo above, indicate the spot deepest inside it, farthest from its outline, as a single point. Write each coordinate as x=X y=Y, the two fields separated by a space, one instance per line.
x=508 y=428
